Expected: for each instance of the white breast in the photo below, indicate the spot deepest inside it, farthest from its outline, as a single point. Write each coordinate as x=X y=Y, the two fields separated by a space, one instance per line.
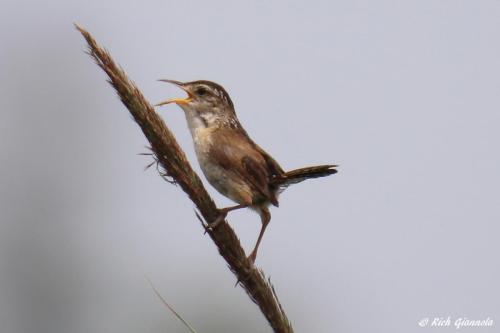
x=202 y=134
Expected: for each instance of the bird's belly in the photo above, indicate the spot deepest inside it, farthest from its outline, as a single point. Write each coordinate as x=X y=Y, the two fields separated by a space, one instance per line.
x=225 y=183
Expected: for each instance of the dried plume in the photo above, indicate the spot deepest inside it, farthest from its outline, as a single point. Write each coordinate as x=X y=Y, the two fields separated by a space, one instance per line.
x=174 y=164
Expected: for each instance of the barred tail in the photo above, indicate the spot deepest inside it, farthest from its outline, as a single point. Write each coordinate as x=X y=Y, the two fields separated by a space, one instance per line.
x=299 y=175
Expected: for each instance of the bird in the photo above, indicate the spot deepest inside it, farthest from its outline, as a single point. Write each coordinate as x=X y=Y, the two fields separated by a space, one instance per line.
x=230 y=160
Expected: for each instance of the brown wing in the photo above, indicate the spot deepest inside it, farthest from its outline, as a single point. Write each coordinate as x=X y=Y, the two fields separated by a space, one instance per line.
x=240 y=158
x=272 y=165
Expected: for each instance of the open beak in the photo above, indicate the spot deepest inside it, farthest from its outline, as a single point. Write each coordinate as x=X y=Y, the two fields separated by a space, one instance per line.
x=176 y=100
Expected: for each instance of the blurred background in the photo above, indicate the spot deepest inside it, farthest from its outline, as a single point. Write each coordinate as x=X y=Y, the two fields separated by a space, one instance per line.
x=403 y=95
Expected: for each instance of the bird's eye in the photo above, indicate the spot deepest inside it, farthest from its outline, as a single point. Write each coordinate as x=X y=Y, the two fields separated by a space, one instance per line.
x=201 y=91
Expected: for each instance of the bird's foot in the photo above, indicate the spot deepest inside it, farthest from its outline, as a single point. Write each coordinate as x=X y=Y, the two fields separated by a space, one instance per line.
x=212 y=225
x=252 y=257
x=222 y=216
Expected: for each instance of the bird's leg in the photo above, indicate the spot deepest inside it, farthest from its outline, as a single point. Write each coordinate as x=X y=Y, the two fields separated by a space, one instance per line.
x=222 y=215
x=265 y=217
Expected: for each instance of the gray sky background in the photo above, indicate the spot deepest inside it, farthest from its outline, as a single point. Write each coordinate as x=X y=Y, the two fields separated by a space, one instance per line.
x=404 y=95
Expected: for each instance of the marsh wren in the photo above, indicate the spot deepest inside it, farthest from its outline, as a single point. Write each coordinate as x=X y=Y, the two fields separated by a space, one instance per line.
x=232 y=163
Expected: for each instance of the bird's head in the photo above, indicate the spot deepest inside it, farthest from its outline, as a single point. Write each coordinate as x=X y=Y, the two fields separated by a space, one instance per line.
x=205 y=99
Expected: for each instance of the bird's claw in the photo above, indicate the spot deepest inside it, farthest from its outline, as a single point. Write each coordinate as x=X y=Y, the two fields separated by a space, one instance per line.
x=252 y=257
x=212 y=225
